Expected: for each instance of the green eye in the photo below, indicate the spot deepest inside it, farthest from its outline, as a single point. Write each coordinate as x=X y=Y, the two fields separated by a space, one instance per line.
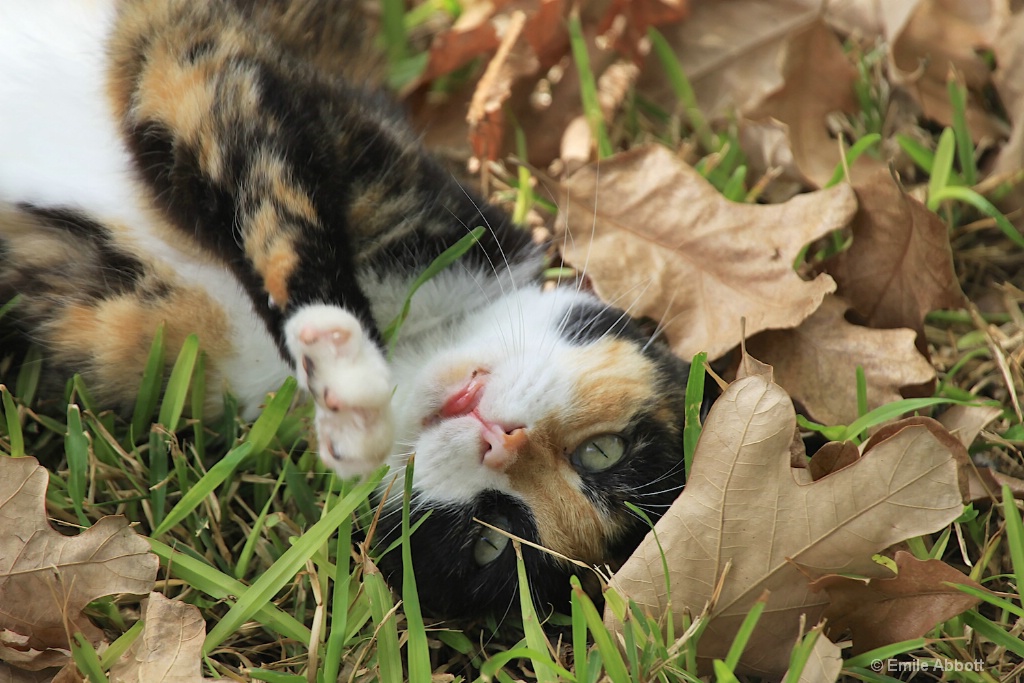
x=490 y=544
x=599 y=453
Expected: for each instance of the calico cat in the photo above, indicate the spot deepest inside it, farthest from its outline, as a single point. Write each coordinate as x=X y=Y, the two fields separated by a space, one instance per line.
x=221 y=167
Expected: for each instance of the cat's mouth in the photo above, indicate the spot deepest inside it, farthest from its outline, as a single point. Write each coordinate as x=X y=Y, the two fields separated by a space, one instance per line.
x=499 y=443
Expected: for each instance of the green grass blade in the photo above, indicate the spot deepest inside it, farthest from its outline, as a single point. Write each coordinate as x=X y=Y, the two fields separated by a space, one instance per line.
x=389 y=657
x=964 y=144
x=28 y=376
x=891 y=411
x=885 y=652
x=121 y=645
x=800 y=655
x=988 y=597
x=288 y=565
x=86 y=659
x=220 y=586
x=1014 y=537
x=694 y=402
x=491 y=667
x=739 y=642
x=918 y=153
x=13 y=422
x=615 y=667
x=76 y=447
x=418 y=654
x=245 y=557
x=723 y=672
x=588 y=87
x=969 y=196
x=535 y=638
x=735 y=188
x=170 y=413
x=852 y=154
x=445 y=259
x=276 y=676
x=194 y=495
x=683 y=90
x=942 y=166
x=392 y=21
x=994 y=632
x=579 y=639
x=267 y=424
x=339 y=603
x=862 y=392
x=149 y=390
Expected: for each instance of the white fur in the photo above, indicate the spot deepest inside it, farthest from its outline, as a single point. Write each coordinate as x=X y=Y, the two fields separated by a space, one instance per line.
x=59 y=146
x=350 y=383
x=516 y=338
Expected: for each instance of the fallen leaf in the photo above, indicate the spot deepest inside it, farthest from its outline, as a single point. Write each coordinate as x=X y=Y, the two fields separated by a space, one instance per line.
x=10 y=674
x=1009 y=82
x=941 y=35
x=882 y=611
x=662 y=242
x=486 y=117
x=966 y=422
x=832 y=457
x=817 y=363
x=638 y=15
x=46 y=578
x=170 y=647
x=742 y=508
x=731 y=52
x=818 y=81
x=900 y=265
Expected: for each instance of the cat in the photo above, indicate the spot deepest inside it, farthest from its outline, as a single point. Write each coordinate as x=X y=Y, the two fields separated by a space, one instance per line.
x=220 y=167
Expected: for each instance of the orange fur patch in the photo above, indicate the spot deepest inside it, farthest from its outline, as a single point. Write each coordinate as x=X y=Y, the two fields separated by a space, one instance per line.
x=614 y=377
x=276 y=266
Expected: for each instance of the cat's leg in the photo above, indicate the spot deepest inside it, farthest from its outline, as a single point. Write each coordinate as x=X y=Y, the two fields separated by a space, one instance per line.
x=247 y=153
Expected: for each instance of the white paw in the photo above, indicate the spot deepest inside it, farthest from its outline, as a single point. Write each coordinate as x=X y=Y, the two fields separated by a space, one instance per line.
x=350 y=382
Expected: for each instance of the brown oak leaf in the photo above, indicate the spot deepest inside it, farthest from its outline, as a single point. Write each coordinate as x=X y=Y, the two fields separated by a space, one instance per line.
x=882 y=611
x=742 y=508
x=818 y=81
x=46 y=578
x=170 y=647
x=653 y=236
x=900 y=265
x=817 y=362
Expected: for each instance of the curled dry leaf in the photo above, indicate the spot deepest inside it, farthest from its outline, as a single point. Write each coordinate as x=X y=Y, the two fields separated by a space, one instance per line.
x=655 y=237
x=941 y=35
x=882 y=611
x=818 y=80
x=1009 y=81
x=169 y=649
x=817 y=362
x=900 y=265
x=743 y=507
x=46 y=578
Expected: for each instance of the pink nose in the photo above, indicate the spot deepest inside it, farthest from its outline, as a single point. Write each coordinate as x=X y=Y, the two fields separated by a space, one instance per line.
x=502 y=447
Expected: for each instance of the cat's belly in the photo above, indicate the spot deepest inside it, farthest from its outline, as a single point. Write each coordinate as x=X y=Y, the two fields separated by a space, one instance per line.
x=60 y=147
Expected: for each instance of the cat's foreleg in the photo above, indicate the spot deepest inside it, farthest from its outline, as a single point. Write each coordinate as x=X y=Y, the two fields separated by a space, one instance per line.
x=350 y=381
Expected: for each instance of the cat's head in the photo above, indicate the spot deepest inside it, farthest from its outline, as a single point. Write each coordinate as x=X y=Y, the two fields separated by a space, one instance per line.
x=545 y=416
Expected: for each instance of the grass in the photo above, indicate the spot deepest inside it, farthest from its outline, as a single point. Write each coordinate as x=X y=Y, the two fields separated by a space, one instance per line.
x=251 y=529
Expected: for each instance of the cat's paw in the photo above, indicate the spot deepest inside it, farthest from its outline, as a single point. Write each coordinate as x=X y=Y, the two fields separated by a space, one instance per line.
x=350 y=381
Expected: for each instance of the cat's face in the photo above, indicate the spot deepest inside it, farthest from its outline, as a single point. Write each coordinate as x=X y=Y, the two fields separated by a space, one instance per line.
x=546 y=415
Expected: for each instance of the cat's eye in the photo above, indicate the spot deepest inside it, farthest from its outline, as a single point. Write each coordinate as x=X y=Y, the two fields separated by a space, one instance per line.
x=491 y=543
x=599 y=453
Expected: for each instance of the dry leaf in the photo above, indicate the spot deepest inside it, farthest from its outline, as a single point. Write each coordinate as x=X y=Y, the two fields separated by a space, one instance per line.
x=832 y=457
x=46 y=579
x=638 y=15
x=883 y=611
x=10 y=674
x=169 y=649
x=966 y=422
x=661 y=241
x=817 y=363
x=731 y=52
x=1009 y=81
x=742 y=507
x=818 y=80
x=948 y=34
x=900 y=265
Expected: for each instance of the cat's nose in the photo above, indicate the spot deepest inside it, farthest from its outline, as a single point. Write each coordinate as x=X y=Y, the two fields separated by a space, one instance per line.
x=502 y=449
